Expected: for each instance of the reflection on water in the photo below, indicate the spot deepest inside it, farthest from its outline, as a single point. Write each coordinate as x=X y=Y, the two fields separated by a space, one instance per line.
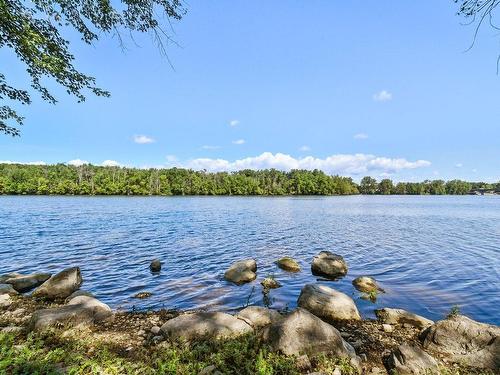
x=428 y=253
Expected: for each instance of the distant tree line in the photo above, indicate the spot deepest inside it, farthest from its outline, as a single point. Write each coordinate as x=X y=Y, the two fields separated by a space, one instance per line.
x=62 y=179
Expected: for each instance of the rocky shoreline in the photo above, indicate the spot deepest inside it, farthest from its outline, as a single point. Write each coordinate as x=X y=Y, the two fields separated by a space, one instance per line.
x=325 y=334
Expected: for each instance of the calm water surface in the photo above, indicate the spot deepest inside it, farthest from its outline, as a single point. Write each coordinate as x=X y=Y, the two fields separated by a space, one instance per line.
x=428 y=253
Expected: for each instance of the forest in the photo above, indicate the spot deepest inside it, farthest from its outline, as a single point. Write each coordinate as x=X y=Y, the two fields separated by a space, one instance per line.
x=63 y=179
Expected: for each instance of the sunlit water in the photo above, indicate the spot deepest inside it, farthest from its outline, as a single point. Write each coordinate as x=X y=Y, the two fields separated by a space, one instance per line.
x=428 y=253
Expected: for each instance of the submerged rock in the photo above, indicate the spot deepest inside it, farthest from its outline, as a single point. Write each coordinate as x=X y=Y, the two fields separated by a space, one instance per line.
x=399 y=316
x=24 y=283
x=411 y=360
x=201 y=325
x=242 y=271
x=80 y=310
x=11 y=275
x=328 y=303
x=329 y=265
x=303 y=333
x=8 y=289
x=155 y=265
x=366 y=284
x=288 y=264
x=466 y=341
x=259 y=317
x=60 y=285
x=143 y=295
x=270 y=283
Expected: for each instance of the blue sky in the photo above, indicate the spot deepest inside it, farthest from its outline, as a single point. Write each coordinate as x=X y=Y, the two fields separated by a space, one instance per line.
x=355 y=88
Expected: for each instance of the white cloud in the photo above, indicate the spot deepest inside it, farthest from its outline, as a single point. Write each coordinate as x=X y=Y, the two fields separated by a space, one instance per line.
x=474 y=170
x=39 y=162
x=459 y=165
x=305 y=148
x=239 y=142
x=209 y=147
x=171 y=158
x=143 y=139
x=77 y=162
x=360 y=136
x=234 y=123
x=350 y=164
x=110 y=163
x=382 y=96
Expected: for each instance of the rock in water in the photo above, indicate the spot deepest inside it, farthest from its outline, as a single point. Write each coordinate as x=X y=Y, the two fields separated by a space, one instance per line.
x=200 y=325
x=80 y=310
x=8 y=289
x=399 y=316
x=10 y=275
x=259 y=317
x=410 y=360
x=270 y=283
x=24 y=283
x=143 y=295
x=328 y=303
x=242 y=271
x=155 y=265
x=288 y=264
x=329 y=265
x=303 y=333
x=466 y=341
x=366 y=284
x=61 y=285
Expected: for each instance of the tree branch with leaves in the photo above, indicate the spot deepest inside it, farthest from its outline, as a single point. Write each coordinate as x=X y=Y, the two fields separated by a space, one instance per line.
x=33 y=31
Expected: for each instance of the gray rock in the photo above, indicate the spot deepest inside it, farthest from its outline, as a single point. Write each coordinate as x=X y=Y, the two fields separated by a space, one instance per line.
x=61 y=285
x=301 y=332
x=12 y=329
x=79 y=293
x=155 y=330
x=366 y=284
x=242 y=271
x=465 y=341
x=387 y=328
x=288 y=264
x=303 y=363
x=270 y=283
x=399 y=316
x=143 y=295
x=329 y=265
x=8 y=289
x=11 y=275
x=155 y=265
x=410 y=360
x=81 y=310
x=5 y=300
x=209 y=370
x=328 y=303
x=24 y=283
x=205 y=325
x=259 y=317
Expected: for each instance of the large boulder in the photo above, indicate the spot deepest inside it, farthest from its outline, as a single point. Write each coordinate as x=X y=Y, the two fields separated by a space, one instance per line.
x=81 y=310
x=329 y=265
x=411 y=360
x=465 y=341
x=61 y=285
x=8 y=289
x=242 y=271
x=301 y=332
x=24 y=283
x=328 y=303
x=288 y=264
x=259 y=317
x=199 y=325
x=366 y=284
x=400 y=316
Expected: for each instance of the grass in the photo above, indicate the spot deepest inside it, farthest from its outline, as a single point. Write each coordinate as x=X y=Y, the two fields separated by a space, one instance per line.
x=49 y=353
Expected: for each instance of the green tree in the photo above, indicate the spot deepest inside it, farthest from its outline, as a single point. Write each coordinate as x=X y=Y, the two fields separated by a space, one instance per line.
x=368 y=185
x=385 y=186
x=34 y=32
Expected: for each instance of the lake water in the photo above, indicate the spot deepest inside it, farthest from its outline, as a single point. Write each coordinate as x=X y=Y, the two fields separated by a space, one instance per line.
x=428 y=252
